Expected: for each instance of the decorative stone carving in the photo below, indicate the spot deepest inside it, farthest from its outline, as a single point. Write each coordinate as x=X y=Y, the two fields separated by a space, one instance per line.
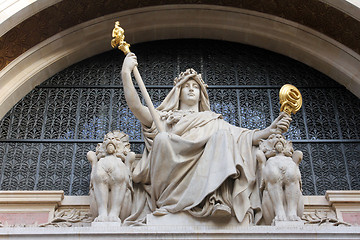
x=323 y=218
x=65 y=218
x=110 y=185
x=282 y=198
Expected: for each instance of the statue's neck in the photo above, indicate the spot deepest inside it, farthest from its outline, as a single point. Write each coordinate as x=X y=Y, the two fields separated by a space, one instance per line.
x=185 y=107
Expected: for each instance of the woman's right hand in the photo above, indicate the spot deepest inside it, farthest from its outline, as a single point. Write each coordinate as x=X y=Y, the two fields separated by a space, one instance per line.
x=130 y=62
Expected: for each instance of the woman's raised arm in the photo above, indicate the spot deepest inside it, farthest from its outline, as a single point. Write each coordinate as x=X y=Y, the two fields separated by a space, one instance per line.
x=132 y=98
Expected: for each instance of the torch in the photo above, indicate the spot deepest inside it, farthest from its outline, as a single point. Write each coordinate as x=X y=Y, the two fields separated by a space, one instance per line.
x=118 y=41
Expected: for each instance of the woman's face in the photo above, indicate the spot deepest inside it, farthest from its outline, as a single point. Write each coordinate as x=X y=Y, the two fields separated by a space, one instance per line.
x=190 y=93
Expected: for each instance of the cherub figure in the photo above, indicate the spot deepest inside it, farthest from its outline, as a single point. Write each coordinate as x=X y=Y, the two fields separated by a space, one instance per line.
x=111 y=184
x=282 y=198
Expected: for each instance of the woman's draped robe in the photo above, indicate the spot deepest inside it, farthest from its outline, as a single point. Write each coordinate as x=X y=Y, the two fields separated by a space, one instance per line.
x=198 y=155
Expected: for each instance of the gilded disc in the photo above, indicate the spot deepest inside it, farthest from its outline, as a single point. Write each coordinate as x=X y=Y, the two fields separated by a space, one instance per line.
x=290 y=99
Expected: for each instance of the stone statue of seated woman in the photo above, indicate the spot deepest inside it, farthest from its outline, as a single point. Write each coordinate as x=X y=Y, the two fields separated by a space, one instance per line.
x=201 y=164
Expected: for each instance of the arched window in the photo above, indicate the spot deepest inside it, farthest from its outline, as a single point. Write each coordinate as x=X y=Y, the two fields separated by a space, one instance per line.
x=44 y=138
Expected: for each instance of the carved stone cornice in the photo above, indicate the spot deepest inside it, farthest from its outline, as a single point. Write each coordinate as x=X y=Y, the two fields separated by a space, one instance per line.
x=343 y=197
x=30 y=197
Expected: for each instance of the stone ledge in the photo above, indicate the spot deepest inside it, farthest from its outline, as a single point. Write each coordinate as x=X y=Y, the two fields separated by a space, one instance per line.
x=343 y=196
x=180 y=232
x=346 y=205
x=26 y=197
x=28 y=207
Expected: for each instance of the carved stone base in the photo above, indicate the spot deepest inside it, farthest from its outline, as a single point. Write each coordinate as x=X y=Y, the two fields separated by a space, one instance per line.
x=181 y=232
x=288 y=223
x=185 y=219
x=105 y=224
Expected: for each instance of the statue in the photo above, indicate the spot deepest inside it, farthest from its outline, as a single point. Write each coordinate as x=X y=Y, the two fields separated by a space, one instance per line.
x=193 y=160
x=110 y=184
x=282 y=198
x=200 y=164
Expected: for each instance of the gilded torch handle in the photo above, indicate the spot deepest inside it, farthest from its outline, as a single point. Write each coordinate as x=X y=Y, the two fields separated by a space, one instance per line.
x=119 y=42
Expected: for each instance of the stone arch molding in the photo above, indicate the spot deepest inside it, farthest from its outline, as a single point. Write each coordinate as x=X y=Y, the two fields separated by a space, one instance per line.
x=175 y=22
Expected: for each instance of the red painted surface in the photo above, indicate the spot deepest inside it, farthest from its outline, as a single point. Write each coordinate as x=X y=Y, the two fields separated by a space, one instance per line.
x=351 y=217
x=24 y=218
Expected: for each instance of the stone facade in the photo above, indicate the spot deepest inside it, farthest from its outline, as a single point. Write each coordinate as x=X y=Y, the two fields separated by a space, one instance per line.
x=334 y=54
x=326 y=212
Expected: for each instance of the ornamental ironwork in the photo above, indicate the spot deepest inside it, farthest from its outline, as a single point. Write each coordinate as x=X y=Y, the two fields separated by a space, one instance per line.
x=44 y=138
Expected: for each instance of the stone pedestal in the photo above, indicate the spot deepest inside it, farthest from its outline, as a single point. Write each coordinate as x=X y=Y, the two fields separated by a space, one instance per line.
x=288 y=223
x=105 y=224
x=185 y=219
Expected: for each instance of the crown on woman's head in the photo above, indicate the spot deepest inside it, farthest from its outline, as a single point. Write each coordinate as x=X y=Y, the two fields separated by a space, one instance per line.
x=188 y=72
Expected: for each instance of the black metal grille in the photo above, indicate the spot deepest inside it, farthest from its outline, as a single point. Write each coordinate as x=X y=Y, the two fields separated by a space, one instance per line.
x=45 y=136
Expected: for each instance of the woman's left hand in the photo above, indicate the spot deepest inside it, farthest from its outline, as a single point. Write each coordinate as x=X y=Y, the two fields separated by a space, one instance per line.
x=281 y=123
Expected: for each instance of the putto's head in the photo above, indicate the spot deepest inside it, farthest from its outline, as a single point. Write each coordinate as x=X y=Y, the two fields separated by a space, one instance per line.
x=115 y=143
x=278 y=142
x=275 y=144
x=112 y=142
